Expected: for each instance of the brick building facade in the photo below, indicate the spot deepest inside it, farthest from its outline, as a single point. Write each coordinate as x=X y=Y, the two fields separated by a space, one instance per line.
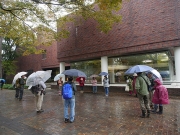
x=147 y=26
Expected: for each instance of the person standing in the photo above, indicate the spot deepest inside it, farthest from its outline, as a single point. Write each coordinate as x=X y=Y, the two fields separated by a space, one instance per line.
x=130 y=84
x=160 y=96
x=39 y=94
x=19 y=86
x=143 y=94
x=151 y=88
x=60 y=83
x=134 y=82
x=69 y=102
x=106 y=85
x=81 y=84
x=94 y=84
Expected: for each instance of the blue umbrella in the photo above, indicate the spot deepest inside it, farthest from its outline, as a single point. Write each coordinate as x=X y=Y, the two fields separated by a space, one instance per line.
x=103 y=73
x=138 y=68
x=2 y=80
x=74 y=72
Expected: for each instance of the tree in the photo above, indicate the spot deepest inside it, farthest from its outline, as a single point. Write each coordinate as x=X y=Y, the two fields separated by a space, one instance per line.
x=27 y=22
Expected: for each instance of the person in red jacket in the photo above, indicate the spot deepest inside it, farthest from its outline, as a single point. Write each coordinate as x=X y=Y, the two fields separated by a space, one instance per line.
x=160 y=96
x=81 y=84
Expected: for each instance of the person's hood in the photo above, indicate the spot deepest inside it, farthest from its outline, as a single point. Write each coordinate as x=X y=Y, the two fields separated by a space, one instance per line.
x=158 y=82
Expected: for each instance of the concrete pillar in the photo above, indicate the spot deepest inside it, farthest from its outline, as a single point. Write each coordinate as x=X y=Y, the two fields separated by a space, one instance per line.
x=177 y=63
x=104 y=65
x=61 y=69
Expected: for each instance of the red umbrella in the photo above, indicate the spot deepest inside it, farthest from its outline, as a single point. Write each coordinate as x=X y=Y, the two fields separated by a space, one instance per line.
x=78 y=79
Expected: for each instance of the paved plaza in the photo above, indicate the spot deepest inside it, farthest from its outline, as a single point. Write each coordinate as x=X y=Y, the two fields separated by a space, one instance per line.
x=96 y=114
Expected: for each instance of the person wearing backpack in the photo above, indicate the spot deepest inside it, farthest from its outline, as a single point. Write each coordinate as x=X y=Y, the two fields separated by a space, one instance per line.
x=19 y=85
x=39 y=94
x=68 y=93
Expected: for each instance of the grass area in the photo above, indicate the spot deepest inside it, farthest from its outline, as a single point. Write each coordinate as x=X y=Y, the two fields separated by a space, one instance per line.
x=10 y=87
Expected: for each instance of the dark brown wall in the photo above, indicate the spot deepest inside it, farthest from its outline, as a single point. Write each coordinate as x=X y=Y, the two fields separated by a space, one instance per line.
x=147 y=25
x=35 y=62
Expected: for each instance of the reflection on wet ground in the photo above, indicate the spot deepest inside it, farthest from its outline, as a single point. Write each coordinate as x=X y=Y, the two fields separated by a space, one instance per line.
x=96 y=114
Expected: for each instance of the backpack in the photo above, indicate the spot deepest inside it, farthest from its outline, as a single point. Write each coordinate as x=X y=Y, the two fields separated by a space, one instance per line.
x=35 y=89
x=67 y=91
x=21 y=81
x=17 y=85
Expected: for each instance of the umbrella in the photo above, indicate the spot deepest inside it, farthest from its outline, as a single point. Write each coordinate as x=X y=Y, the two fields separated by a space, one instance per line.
x=138 y=68
x=94 y=76
x=78 y=79
x=156 y=74
x=35 y=77
x=103 y=73
x=58 y=76
x=18 y=75
x=3 y=80
x=74 y=72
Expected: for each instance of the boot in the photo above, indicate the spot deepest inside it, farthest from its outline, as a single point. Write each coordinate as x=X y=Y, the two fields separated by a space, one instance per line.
x=160 y=110
x=143 y=114
x=148 y=113
x=155 y=109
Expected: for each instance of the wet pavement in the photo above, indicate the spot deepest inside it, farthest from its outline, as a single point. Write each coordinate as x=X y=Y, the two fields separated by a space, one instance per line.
x=96 y=114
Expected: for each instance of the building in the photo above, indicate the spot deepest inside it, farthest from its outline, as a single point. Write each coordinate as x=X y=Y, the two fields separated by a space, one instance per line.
x=149 y=34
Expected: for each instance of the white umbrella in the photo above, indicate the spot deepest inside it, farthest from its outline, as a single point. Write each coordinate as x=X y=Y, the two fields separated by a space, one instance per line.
x=18 y=75
x=35 y=77
x=58 y=76
x=156 y=74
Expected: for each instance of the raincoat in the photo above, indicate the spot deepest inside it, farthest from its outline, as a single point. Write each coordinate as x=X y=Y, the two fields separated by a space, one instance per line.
x=160 y=95
x=141 y=85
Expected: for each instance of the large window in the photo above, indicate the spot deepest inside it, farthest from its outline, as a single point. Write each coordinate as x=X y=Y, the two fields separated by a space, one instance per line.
x=118 y=65
x=89 y=68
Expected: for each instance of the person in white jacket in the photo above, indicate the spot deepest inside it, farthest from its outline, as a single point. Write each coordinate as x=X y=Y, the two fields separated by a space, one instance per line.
x=106 y=85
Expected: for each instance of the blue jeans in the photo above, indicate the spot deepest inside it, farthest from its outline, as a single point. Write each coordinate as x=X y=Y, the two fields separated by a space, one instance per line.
x=106 y=90
x=94 y=89
x=69 y=103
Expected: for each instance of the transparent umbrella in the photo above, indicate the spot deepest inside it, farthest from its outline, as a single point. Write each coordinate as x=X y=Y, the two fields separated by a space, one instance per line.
x=58 y=76
x=18 y=75
x=35 y=77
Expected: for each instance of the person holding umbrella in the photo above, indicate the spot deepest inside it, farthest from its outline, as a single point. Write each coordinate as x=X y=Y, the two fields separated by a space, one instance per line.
x=69 y=102
x=20 y=82
x=106 y=85
x=143 y=94
x=60 y=83
x=2 y=81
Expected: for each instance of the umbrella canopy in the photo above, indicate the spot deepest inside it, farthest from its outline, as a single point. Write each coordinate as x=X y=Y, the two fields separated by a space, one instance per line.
x=94 y=76
x=103 y=73
x=138 y=68
x=78 y=79
x=58 y=76
x=18 y=75
x=35 y=77
x=74 y=72
x=3 y=80
x=156 y=74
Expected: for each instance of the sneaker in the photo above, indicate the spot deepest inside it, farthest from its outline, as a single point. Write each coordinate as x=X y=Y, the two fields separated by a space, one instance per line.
x=71 y=121
x=38 y=111
x=66 y=120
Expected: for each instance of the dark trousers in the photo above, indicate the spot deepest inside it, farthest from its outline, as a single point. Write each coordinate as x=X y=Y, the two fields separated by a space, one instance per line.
x=19 y=93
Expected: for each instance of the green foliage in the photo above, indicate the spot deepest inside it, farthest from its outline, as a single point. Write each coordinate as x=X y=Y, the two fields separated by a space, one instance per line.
x=8 y=86
x=9 y=67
